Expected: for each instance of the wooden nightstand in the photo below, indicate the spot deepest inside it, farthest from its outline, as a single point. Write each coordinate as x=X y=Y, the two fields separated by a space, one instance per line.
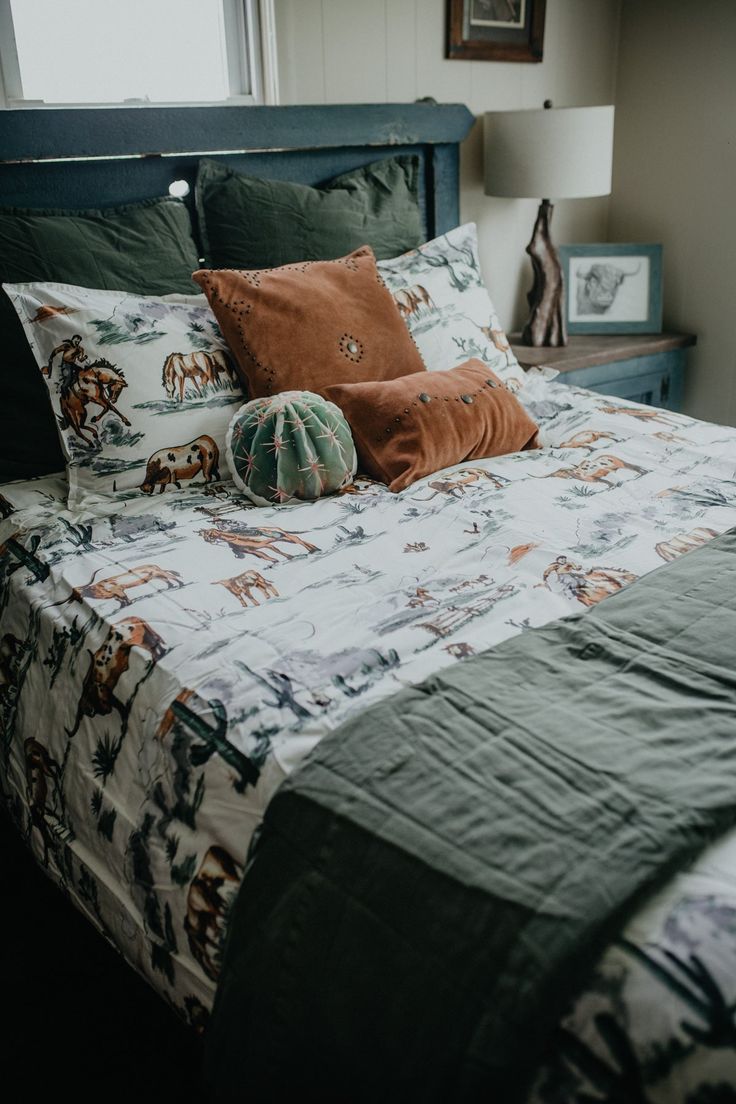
x=648 y=368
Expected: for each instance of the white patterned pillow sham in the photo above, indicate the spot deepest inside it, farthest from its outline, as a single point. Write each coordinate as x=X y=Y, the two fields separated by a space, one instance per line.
x=142 y=386
x=439 y=290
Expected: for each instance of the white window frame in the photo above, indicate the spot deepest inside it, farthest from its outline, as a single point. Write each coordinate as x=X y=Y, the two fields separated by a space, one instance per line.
x=252 y=65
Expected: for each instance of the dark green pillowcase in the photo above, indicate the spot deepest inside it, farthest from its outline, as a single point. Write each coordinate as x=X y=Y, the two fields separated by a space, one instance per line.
x=248 y=222
x=143 y=247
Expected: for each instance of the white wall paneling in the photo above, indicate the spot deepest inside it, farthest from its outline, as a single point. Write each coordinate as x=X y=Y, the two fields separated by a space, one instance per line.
x=351 y=51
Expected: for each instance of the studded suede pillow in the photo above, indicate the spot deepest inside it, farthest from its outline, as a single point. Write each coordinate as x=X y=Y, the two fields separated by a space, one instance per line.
x=410 y=427
x=302 y=327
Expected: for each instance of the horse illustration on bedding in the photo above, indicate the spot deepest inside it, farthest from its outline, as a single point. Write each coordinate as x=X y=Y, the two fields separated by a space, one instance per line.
x=99 y=383
x=199 y=368
x=261 y=542
x=243 y=586
x=410 y=300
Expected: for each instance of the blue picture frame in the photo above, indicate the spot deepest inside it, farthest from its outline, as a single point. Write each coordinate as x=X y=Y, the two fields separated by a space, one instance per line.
x=612 y=287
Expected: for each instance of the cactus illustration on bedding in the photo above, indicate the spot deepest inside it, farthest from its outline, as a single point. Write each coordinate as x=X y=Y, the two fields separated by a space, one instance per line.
x=291 y=447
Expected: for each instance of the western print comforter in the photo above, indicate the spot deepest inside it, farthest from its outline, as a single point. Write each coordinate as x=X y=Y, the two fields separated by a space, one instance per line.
x=430 y=889
x=165 y=667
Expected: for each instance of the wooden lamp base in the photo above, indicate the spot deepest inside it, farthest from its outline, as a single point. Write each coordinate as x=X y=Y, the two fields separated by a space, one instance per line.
x=546 y=324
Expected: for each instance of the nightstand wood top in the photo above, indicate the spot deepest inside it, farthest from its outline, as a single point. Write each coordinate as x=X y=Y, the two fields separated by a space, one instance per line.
x=586 y=350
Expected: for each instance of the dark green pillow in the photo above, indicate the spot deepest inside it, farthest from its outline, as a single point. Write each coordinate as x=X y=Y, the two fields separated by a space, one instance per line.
x=248 y=222
x=143 y=247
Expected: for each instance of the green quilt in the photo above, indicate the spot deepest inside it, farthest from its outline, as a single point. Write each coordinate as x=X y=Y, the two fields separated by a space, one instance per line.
x=429 y=890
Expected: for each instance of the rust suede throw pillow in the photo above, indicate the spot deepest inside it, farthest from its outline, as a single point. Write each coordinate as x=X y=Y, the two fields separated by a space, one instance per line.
x=410 y=427
x=302 y=327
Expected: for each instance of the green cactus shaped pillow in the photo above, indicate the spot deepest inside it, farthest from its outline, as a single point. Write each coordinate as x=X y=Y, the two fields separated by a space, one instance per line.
x=290 y=447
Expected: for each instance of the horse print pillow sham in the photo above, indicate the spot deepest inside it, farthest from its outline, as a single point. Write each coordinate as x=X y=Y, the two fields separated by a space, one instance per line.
x=142 y=387
x=441 y=296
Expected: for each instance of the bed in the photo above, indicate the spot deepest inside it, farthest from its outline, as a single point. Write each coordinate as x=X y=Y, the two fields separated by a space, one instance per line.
x=148 y=811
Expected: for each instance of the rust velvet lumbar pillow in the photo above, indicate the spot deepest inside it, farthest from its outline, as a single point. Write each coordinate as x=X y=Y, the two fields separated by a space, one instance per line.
x=305 y=326
x=408 y=428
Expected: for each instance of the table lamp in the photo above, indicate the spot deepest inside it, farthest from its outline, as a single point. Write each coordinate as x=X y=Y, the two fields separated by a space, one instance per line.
x=562 y=153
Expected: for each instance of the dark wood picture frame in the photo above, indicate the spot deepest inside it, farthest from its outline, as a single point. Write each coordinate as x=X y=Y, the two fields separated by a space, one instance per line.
x=467 y=41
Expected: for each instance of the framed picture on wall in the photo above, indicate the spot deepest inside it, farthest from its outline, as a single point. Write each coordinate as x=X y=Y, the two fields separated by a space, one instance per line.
x=495 y=30
x=612 y=288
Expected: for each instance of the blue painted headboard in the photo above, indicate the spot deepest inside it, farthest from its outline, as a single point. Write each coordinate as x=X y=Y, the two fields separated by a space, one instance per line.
x=106 y=156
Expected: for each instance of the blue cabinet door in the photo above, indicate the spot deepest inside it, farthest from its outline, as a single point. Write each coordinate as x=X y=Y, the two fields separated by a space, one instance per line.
x=656 y=380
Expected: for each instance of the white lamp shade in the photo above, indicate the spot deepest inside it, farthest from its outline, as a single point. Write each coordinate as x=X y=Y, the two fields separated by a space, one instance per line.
x=554 y=153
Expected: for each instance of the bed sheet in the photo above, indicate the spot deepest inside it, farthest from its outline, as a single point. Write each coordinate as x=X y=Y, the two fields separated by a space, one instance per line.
x=164 y=667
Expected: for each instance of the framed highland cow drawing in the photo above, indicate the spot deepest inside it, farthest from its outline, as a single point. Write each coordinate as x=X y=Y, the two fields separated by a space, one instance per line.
x=495 y=30
x=612 y=288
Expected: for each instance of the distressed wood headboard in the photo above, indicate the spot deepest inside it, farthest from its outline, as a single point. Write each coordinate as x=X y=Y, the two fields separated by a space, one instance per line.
x=99 y=157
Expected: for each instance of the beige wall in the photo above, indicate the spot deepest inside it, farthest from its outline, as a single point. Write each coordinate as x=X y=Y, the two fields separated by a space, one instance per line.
x=361 y=51
x=675 y=175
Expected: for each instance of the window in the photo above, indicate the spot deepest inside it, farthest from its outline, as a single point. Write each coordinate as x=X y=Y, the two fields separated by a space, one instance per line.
x=96 y=52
